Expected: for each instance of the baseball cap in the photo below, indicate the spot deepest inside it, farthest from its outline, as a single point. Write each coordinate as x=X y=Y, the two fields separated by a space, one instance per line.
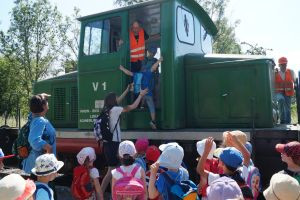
x=232 y=157
x=152 y=49
x=282 y=186
x=152 y=153
x=14 y=187
x=171 y=156
x=200 y=148
x=291 y=149
x=2 y=156
x=223 y=188
x=248 y=146
x=127 y=147
x=84 y=153
x=46 y=164
x=141 y=145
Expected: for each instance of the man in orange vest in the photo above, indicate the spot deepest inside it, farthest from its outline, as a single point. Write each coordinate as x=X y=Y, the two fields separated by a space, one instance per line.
x=284 y=88
x=137 y=36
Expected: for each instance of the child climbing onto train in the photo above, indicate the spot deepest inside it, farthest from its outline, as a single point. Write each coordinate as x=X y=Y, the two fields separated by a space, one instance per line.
x=86 y=175
x=128 y=180
x=46 y=168
x=144 y=79
x=232 y=161
x=141 y=146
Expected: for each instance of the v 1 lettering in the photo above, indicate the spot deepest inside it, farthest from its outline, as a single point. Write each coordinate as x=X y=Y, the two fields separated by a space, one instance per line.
x=95 y=86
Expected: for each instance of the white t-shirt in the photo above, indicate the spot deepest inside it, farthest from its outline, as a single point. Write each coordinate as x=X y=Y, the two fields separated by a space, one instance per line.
x=114 y=115
x=94 y=173
x=127 y=169
x=212 y=176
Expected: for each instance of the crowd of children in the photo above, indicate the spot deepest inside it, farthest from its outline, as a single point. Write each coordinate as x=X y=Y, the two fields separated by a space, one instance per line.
x=149 y=172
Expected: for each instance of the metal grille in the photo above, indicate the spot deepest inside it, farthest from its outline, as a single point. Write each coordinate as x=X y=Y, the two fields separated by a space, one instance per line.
x=59 y=103
x=74 y=104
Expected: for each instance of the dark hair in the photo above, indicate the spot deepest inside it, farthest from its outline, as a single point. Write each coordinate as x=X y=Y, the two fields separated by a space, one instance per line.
x=36 y=103
x=127 y=160
x=232 y=169
x=110 y=101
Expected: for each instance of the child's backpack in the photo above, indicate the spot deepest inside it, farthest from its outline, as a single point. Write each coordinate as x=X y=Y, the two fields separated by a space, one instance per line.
x=186 y=190
x=101 y=127
x=21 y=146
x=42 y=187
x=128 y=186
x=254 y=181
x=81 y=187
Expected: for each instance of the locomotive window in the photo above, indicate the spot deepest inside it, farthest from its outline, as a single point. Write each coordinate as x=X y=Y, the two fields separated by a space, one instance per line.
x=102 y=36
x=92 y=38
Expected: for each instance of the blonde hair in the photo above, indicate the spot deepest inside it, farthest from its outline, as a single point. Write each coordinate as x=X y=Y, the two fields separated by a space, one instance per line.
x=242 y=137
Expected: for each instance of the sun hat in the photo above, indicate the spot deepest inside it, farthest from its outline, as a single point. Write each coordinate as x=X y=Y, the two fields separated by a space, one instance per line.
x=14 y=187
x=46 y=164
x=291 y=149
x=231 y=157
x=241 y=136
x=2 y=156
x=282 y=186
x=152 y=153
x=127 y=147
x=84 y=153
x=141 y=145
x=200 y=148
x=217 y=152
x=171 y=156
x=223 y=188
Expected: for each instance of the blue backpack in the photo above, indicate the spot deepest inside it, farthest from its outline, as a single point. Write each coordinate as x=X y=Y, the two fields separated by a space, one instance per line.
x=182 y=190
x=42 y=187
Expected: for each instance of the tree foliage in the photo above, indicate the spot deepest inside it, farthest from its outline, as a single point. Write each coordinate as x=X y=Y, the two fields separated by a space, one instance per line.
x=255 y=49
x=128 y=2
x=32 y=41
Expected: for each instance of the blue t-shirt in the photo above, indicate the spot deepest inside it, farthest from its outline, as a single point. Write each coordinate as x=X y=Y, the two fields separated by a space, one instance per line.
x=147 y=82
x=137 y=81
x=43 y=193
x=162 y=186
x=148 y=63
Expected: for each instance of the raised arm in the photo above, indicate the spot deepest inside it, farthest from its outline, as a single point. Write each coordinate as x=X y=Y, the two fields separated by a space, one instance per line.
x=136 y=102
x=237 y=144
x=155 y=65
x=126 y=71
x=201 y=163
x=152 y=191
x=120 y=98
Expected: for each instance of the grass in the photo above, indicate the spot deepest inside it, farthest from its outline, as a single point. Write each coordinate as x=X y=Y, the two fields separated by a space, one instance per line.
x=11 y=122
x=294 y=113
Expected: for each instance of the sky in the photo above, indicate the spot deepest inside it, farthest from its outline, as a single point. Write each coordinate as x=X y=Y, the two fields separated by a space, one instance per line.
x=272 y=24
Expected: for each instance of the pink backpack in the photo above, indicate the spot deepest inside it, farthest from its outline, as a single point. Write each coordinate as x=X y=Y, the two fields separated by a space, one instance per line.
x=129 y=187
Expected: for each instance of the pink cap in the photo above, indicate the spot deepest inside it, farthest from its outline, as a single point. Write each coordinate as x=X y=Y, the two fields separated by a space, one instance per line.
x=141 y=145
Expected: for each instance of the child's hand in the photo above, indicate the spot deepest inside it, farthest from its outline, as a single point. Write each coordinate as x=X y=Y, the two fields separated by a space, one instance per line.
x=208 y=145
x=121 y=67
x=144 y=92
x=161 y=59
x=232 y=140
x=154 y=168
x=129 y=86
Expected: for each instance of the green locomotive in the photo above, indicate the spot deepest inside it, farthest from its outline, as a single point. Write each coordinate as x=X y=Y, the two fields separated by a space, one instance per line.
x=197 y=93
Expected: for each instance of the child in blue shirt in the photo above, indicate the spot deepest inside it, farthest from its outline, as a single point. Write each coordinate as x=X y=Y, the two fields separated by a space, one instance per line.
x=144 y=79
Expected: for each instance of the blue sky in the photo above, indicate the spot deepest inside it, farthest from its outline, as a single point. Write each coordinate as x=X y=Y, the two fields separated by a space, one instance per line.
x=272 y=24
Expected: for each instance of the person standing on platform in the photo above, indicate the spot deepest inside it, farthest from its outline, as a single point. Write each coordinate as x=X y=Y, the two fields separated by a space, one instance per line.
x=284 y=89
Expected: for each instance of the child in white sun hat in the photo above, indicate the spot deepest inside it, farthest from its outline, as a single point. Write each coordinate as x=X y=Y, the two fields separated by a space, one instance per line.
x=14 y=187
x=86 y=158
x=128 y=168
x=170 y=158
x=46 y=168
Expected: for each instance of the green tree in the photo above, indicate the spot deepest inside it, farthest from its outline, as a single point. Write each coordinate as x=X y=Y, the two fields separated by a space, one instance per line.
x=32 y=41
x=128 y=2
x=255 y=49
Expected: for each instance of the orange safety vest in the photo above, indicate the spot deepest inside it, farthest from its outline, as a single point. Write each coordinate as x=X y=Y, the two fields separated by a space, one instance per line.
x=284 y=86
x=137 y=48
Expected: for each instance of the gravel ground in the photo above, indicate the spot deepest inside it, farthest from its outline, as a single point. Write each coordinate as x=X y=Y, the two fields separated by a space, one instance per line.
x=64 y=193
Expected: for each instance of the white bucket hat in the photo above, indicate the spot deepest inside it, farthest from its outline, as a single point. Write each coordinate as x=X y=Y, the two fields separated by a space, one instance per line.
x=171 y=156
x=200 y=148
x=127 y=147
x=46 y=164
x=14 y=187
x=84 y=153
x=282 y=186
